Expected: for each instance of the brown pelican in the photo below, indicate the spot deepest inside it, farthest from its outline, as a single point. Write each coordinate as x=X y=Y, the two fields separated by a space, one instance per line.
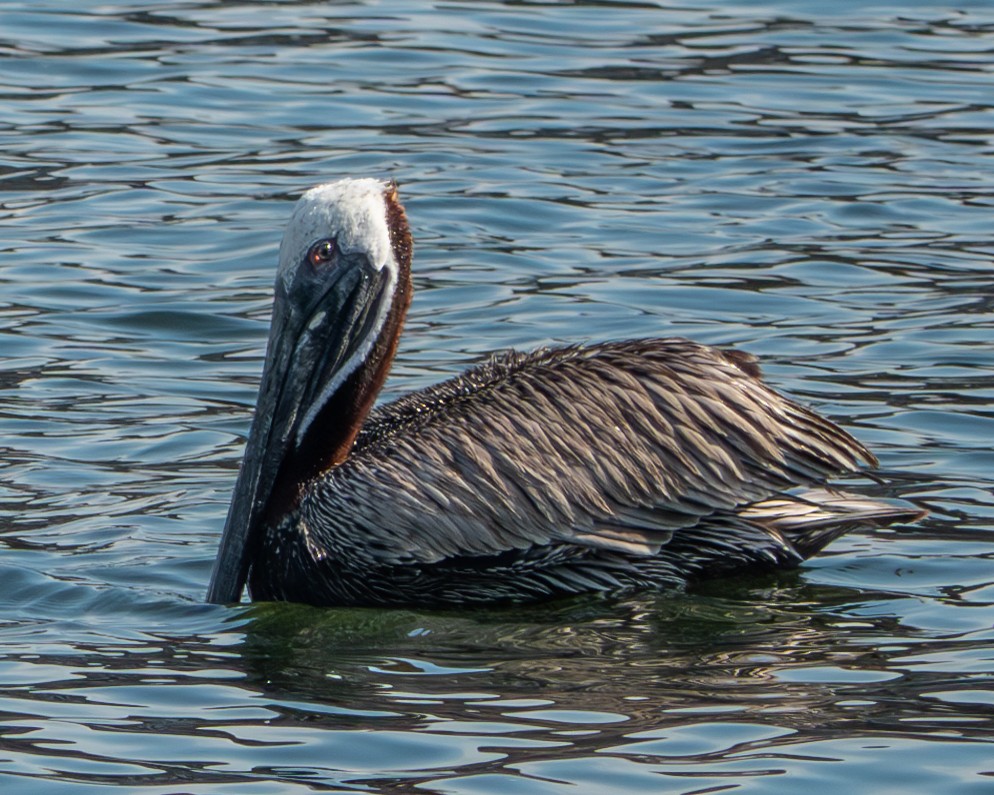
x=646 y=463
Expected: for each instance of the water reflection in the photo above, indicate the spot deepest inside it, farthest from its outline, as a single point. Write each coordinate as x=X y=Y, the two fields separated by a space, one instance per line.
x=722 y=683
x=777 y=652
x=715 y=683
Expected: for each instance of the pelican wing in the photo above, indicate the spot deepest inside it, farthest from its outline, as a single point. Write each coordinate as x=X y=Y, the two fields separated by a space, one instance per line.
x=617 y=446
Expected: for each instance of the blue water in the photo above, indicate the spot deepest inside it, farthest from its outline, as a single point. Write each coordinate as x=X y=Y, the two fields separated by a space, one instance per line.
x=811 y=182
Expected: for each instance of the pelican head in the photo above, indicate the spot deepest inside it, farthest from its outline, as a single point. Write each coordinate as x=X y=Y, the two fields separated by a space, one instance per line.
x=341 y=294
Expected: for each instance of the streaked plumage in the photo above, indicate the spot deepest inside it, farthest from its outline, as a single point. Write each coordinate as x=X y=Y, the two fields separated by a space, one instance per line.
x=645 y=463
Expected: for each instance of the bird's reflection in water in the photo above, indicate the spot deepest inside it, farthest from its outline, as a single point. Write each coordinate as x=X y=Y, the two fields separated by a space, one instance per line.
x=635 y=663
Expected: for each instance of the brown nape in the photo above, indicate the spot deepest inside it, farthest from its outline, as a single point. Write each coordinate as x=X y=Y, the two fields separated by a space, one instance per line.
x=365 y=384
x=335 y=428
x=400 y=234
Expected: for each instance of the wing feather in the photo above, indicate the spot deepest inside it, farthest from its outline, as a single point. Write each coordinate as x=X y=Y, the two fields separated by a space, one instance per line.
x=617 y=446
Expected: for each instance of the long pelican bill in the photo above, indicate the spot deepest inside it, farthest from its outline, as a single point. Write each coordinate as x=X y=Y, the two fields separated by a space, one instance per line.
x=325 y=322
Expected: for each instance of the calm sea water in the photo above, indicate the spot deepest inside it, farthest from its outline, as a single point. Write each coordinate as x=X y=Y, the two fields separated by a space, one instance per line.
x=809 y=181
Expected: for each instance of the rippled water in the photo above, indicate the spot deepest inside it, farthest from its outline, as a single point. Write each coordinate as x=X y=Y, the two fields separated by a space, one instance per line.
x=809 y=181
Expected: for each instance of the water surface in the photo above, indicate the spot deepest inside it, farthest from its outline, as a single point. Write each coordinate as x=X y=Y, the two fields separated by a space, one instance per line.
x=809 y=182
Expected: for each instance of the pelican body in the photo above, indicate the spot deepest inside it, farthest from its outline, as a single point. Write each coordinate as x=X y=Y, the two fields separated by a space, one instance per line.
x=638 y=464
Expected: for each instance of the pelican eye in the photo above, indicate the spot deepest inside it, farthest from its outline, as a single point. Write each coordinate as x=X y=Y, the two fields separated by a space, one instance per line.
x=321 y=253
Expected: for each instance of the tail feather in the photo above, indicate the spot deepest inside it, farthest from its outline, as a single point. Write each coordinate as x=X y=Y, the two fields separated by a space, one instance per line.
x=812 y=518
